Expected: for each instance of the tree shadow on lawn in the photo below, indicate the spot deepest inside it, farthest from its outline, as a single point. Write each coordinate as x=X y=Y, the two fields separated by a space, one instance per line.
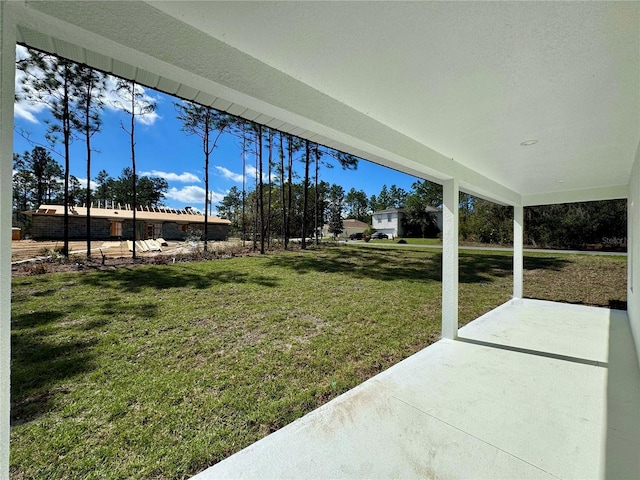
x=135 y=280
x=35 y=319
x=48 y=347
x=386 y=265
x=39 y=366
x=373 y=263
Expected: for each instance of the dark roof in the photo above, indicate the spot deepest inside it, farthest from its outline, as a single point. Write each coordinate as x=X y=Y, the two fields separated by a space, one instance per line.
x=428 y=208
x=389 y=210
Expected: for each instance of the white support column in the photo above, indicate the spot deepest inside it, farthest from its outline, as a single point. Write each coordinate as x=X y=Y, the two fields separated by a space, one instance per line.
x=451 y=199
x=518 y=258
x=7 y=74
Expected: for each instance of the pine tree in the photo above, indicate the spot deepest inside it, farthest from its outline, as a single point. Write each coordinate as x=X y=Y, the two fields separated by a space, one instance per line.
x=208 y=124
x=336 y=205
x=89 y=99
x=136 y=104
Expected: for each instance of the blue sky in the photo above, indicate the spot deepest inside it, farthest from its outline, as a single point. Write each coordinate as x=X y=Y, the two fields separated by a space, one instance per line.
x=162 y=149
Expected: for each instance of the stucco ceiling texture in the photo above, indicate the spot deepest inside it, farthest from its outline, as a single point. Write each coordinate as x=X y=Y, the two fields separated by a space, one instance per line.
x=471 y=80
x=436 y=89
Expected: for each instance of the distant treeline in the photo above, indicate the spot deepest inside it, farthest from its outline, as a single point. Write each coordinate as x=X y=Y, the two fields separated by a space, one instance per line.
x=600 y=224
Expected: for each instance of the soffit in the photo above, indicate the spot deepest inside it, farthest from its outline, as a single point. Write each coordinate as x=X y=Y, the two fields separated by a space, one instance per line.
x=433 y=89
x=471 y=80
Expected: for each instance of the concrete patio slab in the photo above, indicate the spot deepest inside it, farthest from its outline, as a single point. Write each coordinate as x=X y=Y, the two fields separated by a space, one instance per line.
x=529 y=391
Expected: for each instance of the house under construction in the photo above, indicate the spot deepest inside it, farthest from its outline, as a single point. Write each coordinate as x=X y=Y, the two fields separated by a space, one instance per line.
x=116 y=222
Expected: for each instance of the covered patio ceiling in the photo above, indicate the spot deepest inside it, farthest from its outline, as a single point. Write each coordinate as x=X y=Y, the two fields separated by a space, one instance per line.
x=438 y=90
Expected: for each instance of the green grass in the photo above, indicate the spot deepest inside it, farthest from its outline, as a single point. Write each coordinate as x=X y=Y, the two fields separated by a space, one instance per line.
x=161 y=371
x=411 y=241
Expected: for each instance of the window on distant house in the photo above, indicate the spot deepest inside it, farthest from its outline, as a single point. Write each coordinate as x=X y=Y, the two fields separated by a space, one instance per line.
x=388 y=217
x=116 y=228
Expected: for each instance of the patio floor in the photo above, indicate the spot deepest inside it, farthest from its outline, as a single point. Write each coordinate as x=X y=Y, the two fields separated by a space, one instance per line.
x=533 y=389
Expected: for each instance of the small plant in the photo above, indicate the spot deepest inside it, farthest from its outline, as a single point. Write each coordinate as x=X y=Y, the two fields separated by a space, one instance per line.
x=52 y=253
x=38 y=269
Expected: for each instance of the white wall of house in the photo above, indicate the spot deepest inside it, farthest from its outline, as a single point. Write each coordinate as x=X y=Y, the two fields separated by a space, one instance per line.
x=633 y=242
x=388 y=222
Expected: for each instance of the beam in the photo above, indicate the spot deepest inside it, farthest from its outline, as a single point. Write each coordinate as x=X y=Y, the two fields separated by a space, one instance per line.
x=612 y=192
x=451 y=199
x=7 y=86
x=518 y=258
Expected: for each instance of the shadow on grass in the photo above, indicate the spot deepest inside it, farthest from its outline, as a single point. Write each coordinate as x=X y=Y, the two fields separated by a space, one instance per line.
x=373 y=263
x=135 y=280
x=115 y=306
x=49 y=347
x=35 y=319
x=386 y=265
x=39 y=366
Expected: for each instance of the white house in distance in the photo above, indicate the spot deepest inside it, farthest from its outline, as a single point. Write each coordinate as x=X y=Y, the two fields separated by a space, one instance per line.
x=389 y=221
x=520 y=103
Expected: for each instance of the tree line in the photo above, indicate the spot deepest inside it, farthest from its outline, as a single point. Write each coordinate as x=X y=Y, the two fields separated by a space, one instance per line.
x=572 y=225
x=277 y=202
x=38 y=179
x=75 y=96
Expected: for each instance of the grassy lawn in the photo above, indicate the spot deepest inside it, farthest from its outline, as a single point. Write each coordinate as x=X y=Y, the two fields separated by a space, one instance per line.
x=160 y=371
x=410 y=241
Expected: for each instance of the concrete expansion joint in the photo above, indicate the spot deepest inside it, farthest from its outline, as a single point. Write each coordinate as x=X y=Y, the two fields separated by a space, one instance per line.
x=473 y=436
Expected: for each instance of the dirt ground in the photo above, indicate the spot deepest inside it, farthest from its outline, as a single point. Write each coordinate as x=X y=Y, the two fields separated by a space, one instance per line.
x=31 y=249
x=33 y=257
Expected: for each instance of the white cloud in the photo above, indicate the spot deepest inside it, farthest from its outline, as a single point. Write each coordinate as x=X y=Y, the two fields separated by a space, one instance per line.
x=184 y=177
x=194 y=195
x=226 y=173
x=251 y=174
x=29 y=110
x=115 y=103
x=216 y=197
x=189 y=194
x=83 y=182
x=23 y=108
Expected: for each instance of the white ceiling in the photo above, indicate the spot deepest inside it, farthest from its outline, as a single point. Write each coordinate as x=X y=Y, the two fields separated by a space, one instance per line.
x=410 y=85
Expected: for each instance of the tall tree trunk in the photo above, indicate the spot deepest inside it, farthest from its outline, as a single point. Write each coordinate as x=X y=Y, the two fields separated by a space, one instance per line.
x=305 y=194
x=87 y=131
x=244 y=190
x=206 y=178
x=290 y=189
x=270 y=189
x=66 y=128
x=133 y=165
x=315 y=218
x=282 y=195
x=257 y=207
x=261 y=191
